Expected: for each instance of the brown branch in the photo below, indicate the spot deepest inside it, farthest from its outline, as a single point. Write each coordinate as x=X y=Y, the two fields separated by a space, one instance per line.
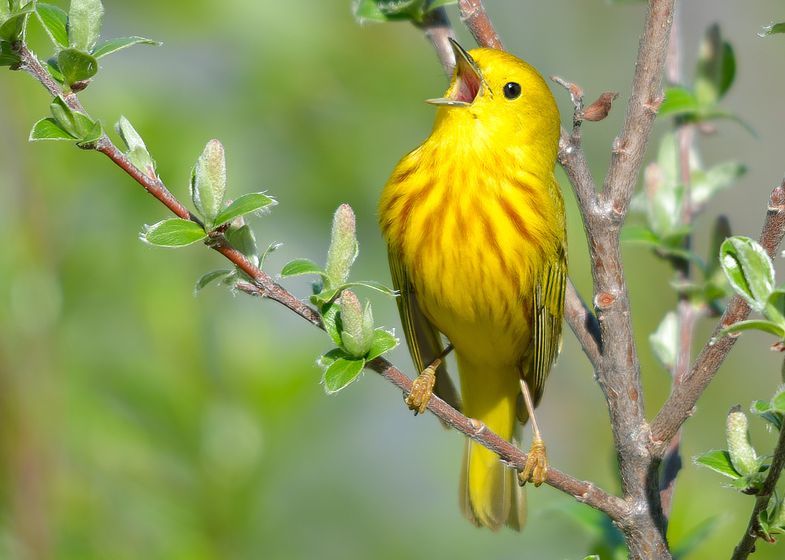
x=681 y=403
x=438 y=31
x=585 y=492
x=263 y=285
x=753 y=532
x=645 y=100
x=474 y=16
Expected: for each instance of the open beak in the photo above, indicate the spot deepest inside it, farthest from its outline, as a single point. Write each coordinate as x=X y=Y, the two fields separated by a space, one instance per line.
x=468 y=82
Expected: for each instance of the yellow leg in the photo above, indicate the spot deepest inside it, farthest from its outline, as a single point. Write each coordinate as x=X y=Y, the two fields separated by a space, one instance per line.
x=422 y=386
x=536 y=467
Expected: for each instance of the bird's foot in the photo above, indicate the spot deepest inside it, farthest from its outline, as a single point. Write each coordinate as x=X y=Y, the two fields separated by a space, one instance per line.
x=422 y=389
x=536 y=468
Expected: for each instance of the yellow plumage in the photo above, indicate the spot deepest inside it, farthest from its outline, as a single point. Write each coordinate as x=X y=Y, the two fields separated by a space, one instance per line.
x=474 y=223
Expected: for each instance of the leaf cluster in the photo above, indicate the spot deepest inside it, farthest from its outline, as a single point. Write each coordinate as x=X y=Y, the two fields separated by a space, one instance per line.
x=395 y=10
x=348 y=322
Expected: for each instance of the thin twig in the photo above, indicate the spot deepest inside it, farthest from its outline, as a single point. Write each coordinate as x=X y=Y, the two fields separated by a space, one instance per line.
x=474 y=16
x=753 y=532
x=438 y=31
x=681 y=403
x=263 y=285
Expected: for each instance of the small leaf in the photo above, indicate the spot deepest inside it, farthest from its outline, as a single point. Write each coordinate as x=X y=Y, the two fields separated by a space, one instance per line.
x=748 y=269
x=113 y=45
x=209 y=277
x=271 y=248
x=208 y=181
x=174 y=232
x=84 y=23
x=49 y=129
x=635 y=233
x=755 y=325
x=388 y=10
x=763 y=409
x=298 y=267
x=718 y=461
x=330 y=318
x=76 y=66
x=243 y=239
x=326 y=360
x=706 y=184
x=54 y=21
x=341 y=373
x=7 y=56
x=377 y=286
x=665 y=340
x=383 y=341
x=13 y=28
x=246 y=204
x=678 y=101
x=88 y=139
x=772 y=29
x=716 y=68
x=778 y=401
x=136 y=150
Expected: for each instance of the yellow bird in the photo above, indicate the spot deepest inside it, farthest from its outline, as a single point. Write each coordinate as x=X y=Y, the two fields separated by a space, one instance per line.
x=475 y=227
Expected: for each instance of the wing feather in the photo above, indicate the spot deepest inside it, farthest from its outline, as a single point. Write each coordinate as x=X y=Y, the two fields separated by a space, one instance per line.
x=424 y=341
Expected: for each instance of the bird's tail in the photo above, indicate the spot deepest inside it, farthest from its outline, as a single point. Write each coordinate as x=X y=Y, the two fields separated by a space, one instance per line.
x=489 y=494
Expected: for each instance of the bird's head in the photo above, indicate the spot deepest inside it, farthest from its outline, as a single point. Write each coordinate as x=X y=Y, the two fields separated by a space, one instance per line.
x=498 y=97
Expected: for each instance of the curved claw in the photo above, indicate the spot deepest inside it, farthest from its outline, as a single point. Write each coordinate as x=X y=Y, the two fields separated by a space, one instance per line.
x=536 y=468
x=422 y=389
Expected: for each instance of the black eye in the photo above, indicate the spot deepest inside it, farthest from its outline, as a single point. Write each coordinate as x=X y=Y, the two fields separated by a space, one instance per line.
x=512 y=90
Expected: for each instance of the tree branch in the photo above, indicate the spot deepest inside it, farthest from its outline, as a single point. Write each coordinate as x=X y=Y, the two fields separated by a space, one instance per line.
x=474 y=16
x=438 y=30
x=753 y=532
x=681 y=403
x=263 y=285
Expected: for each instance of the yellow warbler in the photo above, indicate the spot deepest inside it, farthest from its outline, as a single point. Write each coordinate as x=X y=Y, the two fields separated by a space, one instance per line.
x=475 y=227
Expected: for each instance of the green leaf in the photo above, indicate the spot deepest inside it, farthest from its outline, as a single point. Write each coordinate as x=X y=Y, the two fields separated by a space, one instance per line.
x=383 y=341
x=7 y=56
x=76 y=65
x=341 y=373
x=719 y=461
x=778 y=401
x=84 y=23
x=208 y=181
x=49 y=129
x=54 y=21
x=716 y=68
x=636 y=233
x=243 y=239
x=298 y=267
x=678 y=101
x=764 y=410
x=246 y=204
x=5 y=10
x=748 y=269
x=772 y=29
x=706 y=184
x=775 y=307
x=174 y=232
x=330 y=318
x=388 y=10
x=665 y=340
x=756 y=325
x=136 y=150
x=377 y=286
x=271 y=248
x=113 y=45
x=13 y=28
x=210 y=277
x=439 y=4
x=64 y=116
x=88 y=139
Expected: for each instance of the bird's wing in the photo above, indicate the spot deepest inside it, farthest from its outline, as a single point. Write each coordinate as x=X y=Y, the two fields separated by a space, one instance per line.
x=423 y=339
x=547 y=313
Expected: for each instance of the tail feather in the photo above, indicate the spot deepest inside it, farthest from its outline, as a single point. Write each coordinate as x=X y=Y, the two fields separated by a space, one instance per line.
x=489 y=494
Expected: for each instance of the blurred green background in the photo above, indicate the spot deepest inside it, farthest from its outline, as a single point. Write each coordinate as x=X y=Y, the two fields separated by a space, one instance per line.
x=139 y=421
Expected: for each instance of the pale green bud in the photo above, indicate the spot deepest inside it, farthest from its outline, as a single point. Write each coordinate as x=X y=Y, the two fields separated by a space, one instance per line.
x=357 y=323
x=208 y=181
x=343 y=247
x=742 y=454
x=136 y=151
